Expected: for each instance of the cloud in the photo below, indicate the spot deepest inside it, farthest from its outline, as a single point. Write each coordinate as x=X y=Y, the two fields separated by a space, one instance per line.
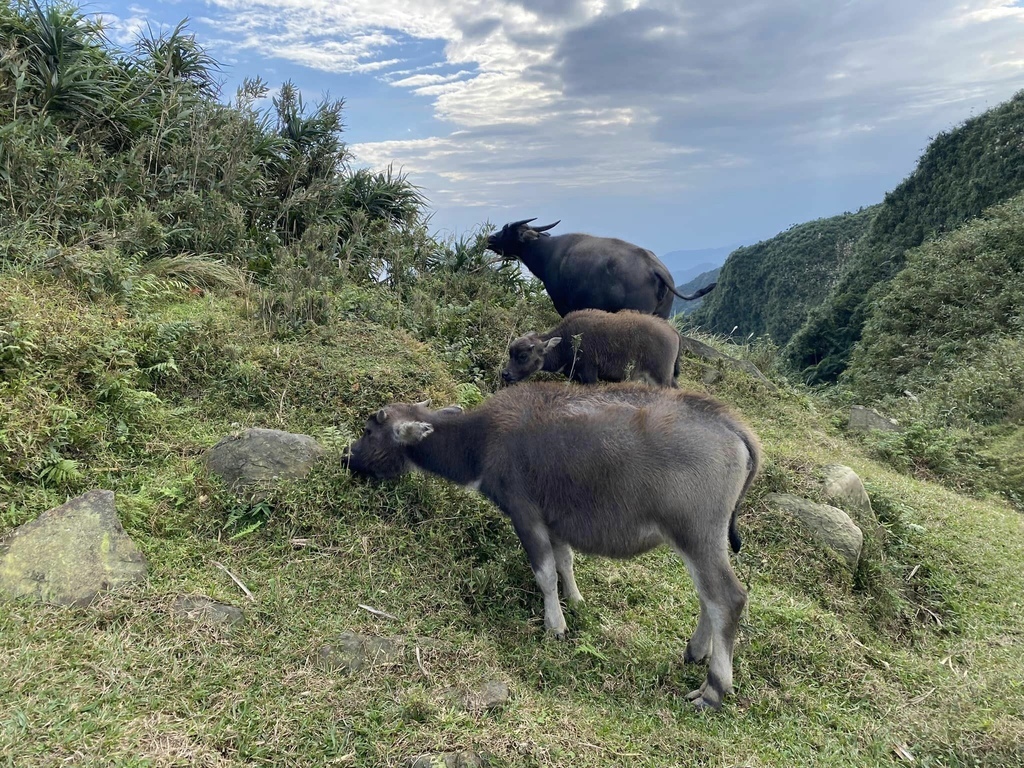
x=649 y=97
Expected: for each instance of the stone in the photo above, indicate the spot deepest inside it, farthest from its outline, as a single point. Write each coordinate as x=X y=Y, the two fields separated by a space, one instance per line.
x=707 y=352
x=827 y=525
x=492 y=695
x=351 y=652
x=254 y=456
x=70 y=554
x=710 y=376
x=865 y=419
x=200 y=609
x=465 y=759
x=844 y=488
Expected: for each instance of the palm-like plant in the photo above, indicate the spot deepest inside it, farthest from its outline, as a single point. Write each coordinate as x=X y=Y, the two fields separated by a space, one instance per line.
x=386 y=195
x=66 y=63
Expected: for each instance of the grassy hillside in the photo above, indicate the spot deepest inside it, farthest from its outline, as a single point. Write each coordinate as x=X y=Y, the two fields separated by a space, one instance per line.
x=961 y=173
x=771 y=287
x=177 y=268
x=917 y=651
x=949 y=331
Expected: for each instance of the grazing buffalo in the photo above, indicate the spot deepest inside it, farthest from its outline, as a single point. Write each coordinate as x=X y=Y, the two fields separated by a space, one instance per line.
x=587 y=272
x=592 y=345
x=614 y=470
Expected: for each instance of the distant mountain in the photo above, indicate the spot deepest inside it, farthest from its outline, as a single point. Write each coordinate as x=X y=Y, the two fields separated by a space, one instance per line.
x=961 y=173
x=771 y=287
x=704 y=278
x=686 y=265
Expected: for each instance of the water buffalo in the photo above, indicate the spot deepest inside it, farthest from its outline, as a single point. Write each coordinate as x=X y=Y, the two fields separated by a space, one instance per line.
x=614 y=470
x=591 y=345
x=587 y=272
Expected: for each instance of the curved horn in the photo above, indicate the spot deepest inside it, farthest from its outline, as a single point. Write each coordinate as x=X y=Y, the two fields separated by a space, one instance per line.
x=545 y=229
x=424 y=403
x=382 y=416
x=516 y=224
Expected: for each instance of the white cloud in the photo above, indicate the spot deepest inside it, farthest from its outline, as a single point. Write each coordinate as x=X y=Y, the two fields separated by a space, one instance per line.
x=646 y=96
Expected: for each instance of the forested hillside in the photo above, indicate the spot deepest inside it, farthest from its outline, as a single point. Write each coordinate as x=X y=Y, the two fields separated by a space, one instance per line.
x=962 y=172
x=771 y=287
x=704 y=278
x=944 y=345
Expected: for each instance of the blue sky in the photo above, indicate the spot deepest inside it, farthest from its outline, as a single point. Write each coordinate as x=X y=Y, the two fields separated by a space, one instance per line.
x=675 y=124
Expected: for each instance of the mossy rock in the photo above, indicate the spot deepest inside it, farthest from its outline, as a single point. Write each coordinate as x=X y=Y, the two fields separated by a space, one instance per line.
x=70 y=553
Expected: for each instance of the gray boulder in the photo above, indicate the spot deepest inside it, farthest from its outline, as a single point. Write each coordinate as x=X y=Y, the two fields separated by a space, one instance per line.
x=844 y=488
x=490 y=696
x=866 y=419
x=71 y=553
x=254 y=456
x=827 y=525
x=709 y=353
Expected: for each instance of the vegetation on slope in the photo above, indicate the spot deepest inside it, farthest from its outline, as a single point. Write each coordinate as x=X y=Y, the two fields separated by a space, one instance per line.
x=962 y=172
x=152 y=301
x=950 y=332
x=768 y=289
x=701 y=280
x=832 y=670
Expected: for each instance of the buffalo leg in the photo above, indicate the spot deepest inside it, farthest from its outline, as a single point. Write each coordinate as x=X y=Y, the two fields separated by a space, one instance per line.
x=537 y=543
x=724 y=597
x=563 y=563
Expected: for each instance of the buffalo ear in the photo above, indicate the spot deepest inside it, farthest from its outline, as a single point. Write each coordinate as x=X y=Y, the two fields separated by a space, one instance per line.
x=412 y=432
x=552 y=343
x=424 y=403
x=526 y=234
x=381 y=416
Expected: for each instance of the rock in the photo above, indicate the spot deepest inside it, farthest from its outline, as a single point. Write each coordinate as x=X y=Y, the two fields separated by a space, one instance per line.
x=71 y=553
x=466 y=759
x=843 y=487
x=866 y=419
x=490 y=696
x=706 y=352
x=200 y=609
x=253 y=456
x=710 y=376
x=827 y=525
x=351 y=652
x=493 y=694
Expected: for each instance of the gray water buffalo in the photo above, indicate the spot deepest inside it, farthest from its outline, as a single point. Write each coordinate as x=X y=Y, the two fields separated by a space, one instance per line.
x=587 y=272
x=592 y=345
x=614 y=470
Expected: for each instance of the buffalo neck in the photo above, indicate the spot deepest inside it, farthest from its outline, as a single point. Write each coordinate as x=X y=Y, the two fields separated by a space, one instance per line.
x=534 y=256
x=454 y=450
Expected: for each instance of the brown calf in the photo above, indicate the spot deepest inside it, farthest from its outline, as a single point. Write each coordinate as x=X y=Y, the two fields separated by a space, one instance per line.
x=592 y=345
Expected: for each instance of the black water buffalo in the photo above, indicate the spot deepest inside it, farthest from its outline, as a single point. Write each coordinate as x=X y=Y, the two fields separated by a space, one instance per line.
x=614 y=470
x=592 y=345
x=587 y=272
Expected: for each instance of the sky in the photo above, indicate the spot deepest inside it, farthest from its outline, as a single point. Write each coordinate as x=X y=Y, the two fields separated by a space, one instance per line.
x=675 y=124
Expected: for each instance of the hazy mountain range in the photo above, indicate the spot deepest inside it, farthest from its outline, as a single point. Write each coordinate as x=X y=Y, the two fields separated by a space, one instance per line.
x=687 y=264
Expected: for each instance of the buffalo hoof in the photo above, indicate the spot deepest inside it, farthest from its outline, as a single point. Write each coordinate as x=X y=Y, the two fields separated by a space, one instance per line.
x=689 y=657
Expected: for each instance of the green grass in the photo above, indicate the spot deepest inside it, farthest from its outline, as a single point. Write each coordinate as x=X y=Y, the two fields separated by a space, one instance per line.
x=920 y=650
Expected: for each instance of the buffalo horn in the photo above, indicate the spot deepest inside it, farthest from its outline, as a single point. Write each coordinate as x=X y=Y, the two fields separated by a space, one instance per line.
x=516 y=224
x=545 y=229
